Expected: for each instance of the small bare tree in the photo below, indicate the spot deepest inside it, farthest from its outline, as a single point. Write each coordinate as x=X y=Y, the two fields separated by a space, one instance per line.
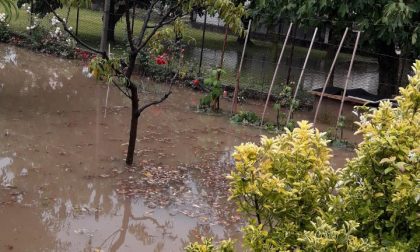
x=121 y=75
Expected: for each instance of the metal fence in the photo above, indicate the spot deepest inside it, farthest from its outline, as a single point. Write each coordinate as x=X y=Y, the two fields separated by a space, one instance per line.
x=259 y=61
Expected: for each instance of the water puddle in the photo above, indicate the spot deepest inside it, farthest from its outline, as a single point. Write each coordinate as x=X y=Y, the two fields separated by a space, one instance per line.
x=259 y=65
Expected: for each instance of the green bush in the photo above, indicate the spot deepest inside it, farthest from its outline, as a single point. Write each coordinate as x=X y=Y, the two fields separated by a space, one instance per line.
x=207 y=246
x=295 y=201
x=282 y=186
x=381 y=189
x=214 y=85
x=246 y=117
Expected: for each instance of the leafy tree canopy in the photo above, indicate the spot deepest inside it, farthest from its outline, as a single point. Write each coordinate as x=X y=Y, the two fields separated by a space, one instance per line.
x=382 y=21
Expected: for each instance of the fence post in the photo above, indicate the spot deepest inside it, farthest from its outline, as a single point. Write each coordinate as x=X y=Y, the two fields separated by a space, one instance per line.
x=202 y=44
x=292 y=51
x=347 y=80
x=329 y=74
x=301 y=77
x=238 y=74
x=77 y=19
x=31 y=18
x=275 y=72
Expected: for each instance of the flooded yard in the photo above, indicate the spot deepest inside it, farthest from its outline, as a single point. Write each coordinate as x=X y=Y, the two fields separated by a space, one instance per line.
x=260 y=62
x=64 y=185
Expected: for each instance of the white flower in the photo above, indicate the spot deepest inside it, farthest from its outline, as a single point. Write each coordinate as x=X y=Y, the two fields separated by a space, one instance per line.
x=70 y=28
x=69 y=41
x=54 y=21
x=57 y=31
x=2 y=17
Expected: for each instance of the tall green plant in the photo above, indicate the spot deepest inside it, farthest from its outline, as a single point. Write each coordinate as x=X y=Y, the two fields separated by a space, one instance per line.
x=213 y=83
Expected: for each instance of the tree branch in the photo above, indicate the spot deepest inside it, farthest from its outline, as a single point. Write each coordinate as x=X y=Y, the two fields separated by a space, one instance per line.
x=103 y=54
x=159 y=25
x=147 y=218
x=164 y=23
x=163 y=98
x=122 y=91
x=146 y=21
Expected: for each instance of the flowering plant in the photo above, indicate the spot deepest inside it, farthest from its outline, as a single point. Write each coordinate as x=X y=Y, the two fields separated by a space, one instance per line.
x=3 y=18
x=58 y=34
x=162 y=59
x=4 y=28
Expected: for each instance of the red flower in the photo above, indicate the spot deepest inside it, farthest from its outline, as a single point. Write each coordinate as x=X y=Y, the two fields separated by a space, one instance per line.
x=85 y=55
x=160 y=60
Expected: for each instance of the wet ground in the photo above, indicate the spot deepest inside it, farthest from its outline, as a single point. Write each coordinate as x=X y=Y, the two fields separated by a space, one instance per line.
x=63 y=182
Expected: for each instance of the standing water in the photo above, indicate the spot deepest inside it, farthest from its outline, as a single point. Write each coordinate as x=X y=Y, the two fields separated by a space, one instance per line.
x=260 y=62
x=63 y=182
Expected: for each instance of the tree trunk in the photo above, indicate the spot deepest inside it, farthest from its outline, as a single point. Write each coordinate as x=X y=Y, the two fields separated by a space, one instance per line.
x=115 y=246
x=242 y=37
x=105 y=26
x=388 y=70
x=134 y=111
x=133 y=125
x=114 y=17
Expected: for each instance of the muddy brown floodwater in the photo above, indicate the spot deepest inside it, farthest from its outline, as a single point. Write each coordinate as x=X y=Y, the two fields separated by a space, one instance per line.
x=63 y=182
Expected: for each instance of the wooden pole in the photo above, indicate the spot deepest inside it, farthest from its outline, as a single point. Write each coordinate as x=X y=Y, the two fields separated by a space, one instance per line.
x=329 y=74
x=202 y=44
x=292 y=50
x=275 y=72
x=301 y=76
x=108 y=82
x=347 y=80
x=238 y=74
x=219 y=72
